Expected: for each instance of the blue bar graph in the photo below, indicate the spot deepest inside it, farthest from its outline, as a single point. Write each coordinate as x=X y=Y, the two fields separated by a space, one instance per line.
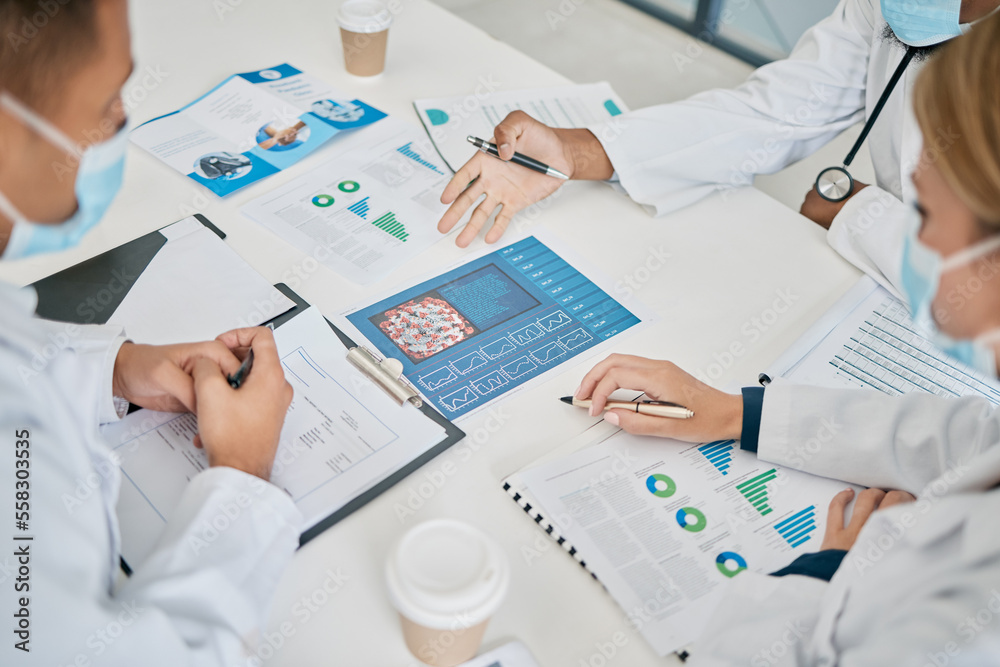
x=720 y=453
x=796 y=529
x=360 y=208
x=415 y=156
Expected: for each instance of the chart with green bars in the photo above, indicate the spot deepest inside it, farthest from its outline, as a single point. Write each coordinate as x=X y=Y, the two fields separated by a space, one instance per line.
x=391 y=226
x=755 y=490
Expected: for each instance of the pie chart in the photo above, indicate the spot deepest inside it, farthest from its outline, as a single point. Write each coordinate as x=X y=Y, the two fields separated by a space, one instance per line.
x=692 y=519
x=661 y=486
x=730 y=563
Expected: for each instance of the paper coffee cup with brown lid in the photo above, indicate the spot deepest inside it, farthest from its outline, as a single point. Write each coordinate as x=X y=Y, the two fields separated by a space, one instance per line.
x=446 y=579
x=364 y=32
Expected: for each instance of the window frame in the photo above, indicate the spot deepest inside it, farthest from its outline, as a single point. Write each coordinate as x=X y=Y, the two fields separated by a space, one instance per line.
x=705 y=27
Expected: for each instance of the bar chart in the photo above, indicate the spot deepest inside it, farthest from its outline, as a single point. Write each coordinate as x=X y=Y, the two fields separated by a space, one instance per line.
x=407 y=150
x=360 y=208
x=719 y=453
x=797 y=528
x=755 y=491
x=388 y=224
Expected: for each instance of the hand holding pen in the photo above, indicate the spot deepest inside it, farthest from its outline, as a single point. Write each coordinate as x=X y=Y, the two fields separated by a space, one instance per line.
x=517 y=158
x=486 y=185
x=240 y=416
x=688 y=409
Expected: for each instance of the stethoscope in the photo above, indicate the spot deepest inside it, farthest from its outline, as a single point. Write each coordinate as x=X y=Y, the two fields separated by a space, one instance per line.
x=836 y=183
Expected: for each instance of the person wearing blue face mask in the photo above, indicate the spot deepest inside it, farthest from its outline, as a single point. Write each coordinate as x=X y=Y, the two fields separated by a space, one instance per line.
x=201 y=597
x=913 y=578
x=99 y=173
x=669 y=156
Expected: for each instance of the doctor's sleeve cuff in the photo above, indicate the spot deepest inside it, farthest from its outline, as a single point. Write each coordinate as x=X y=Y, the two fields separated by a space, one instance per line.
x=868 y=232
x=753 y=407
x=820 y=565
x=621 y=180
x=109 y=408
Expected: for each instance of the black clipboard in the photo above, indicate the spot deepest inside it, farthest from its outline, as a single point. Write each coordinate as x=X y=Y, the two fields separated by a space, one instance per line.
x=453 y=434
x=61 y=293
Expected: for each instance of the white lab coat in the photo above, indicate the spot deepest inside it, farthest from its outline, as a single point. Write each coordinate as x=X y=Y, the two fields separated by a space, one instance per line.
x=922 y=584
x=672 y=155
x=184 y=605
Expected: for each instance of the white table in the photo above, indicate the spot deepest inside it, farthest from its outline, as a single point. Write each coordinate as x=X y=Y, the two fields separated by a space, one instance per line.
x=729 y=258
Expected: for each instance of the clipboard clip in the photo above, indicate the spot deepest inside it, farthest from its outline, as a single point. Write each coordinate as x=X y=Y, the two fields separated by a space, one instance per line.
x=385 y=372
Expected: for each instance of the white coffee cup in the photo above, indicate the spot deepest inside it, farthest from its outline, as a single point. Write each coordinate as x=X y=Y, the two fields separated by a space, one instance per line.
x=364 y=32
x=446 y=579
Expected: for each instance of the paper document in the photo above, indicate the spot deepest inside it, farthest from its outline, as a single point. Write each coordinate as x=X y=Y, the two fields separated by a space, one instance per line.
x=449 y=120
x=665 y=525
x=373 y=206
x=195 y=288
x=250 y=126
x=477 y=332
x=342 y=435
x=867 y=340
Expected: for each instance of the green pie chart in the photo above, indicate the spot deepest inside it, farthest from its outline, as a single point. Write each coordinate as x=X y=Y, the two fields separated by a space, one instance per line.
x=661 y=486
x=692 y=519
x=348 y=186
x=730 y=563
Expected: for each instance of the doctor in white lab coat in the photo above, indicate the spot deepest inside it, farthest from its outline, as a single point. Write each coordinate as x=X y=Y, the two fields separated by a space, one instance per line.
x=202 y=597
x=669 y=156
x=913 y=583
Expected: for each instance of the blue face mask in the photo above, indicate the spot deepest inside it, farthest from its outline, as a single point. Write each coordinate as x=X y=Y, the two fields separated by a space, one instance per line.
x=923 y=22
x=98 y=180
x=921 y=274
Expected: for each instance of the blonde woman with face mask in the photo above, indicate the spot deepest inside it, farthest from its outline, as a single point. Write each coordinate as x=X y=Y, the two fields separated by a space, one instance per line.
x=912 y=578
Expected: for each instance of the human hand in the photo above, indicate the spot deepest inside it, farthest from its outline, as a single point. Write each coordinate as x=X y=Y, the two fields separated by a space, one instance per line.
x=841 y=536
x=158 y=377
x=717 y=415
x=821 y=211
x=240 y=428
x=510 y=187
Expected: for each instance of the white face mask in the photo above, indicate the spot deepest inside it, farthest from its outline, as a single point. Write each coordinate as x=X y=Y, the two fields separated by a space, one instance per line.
x=98 y=179
x=921 y=276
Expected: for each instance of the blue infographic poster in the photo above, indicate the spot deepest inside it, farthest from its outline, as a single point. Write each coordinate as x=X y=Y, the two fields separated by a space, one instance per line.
x=491 y=325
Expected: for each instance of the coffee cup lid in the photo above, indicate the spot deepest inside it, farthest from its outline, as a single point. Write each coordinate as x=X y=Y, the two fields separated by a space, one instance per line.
x=445 y=574
x=364 y=16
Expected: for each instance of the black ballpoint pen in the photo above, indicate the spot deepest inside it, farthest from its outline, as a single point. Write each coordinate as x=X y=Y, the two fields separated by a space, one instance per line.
x=240 y=376
x=522 y=160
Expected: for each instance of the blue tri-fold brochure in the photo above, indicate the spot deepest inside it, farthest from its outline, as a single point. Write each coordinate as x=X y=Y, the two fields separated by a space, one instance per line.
x=252 y=125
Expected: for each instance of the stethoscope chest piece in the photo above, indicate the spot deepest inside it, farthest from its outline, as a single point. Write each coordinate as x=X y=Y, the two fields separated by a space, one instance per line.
x=834 y=184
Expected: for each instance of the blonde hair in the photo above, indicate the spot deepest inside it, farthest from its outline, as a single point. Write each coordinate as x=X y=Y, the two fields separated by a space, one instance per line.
x=957 y=102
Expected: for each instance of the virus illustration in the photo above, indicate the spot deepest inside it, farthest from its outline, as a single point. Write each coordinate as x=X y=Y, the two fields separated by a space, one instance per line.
x=422 y=329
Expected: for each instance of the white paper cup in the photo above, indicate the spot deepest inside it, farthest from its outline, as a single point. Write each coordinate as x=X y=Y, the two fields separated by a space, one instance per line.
x=446 y=579
x=364 y=32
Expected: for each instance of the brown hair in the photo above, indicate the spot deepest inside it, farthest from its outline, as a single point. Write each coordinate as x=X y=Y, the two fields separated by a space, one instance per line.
x=957 y=96
x=43 y=40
